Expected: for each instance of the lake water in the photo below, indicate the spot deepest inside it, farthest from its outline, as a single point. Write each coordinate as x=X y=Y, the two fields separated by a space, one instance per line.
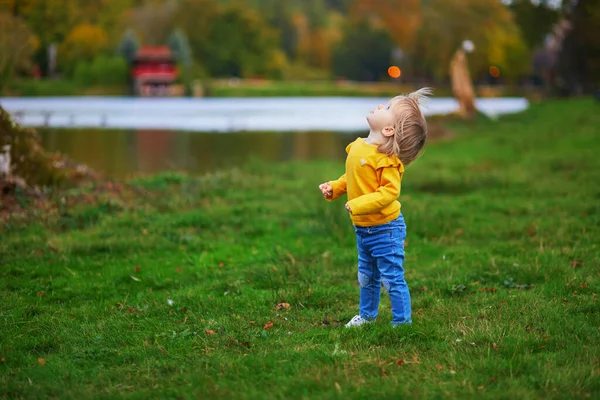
x=119 y=136
x=121 y=153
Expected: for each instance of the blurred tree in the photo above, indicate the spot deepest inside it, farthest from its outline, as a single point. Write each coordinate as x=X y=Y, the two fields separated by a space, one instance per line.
x=82 y=44
x=488 y=23
x=180 y=47
x=153 y=20
x=127 y=49
x=578 y=69
x=50 y=21
x=534 y=20
x=230 y=39
x=364 y=53
x=128 y=46
x=401 y=18
x=17 y=45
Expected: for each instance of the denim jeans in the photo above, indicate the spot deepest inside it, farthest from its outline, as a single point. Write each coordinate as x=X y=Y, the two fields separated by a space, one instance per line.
x=380 y=261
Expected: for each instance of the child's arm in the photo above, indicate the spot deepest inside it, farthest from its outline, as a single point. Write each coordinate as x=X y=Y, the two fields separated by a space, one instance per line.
x=387 y=192
x=338 y=187
x=333 y=189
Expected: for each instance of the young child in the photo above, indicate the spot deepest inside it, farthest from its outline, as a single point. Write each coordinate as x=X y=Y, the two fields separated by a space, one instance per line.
x=374 y=169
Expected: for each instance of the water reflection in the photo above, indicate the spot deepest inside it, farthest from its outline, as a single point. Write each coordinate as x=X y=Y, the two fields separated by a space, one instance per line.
x=122 y=153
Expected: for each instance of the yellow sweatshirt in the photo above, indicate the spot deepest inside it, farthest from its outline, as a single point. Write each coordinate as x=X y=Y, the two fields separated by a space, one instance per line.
x=372 y=181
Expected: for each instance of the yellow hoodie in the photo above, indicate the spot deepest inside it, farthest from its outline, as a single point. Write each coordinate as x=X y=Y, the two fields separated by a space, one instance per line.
x=372 y=181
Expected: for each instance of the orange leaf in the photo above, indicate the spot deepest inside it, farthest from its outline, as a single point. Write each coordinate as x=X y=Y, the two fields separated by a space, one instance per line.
x=209 y=332
x=400 y=362
x=41 y=293
x=282 y=305
x=268 y=325
x=439 y=367
x=41 y=361
x=383 y=372
x=495 y=346
x=3 y=359
x=480 y=387
x=136 y=268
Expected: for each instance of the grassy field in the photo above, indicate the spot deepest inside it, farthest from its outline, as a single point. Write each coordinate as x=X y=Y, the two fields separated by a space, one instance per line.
x=253 y=88
x=178 y=286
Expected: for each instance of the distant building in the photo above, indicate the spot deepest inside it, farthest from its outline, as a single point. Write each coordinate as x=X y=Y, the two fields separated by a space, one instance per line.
x=154 y=72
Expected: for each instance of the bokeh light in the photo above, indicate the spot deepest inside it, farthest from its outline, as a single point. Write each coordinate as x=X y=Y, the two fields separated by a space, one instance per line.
x=494 y=71
x=394 y=72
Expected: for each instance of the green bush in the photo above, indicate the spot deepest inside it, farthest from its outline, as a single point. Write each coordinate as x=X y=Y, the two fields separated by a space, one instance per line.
x=102 y=71
x=109 y=71
x=83 y=74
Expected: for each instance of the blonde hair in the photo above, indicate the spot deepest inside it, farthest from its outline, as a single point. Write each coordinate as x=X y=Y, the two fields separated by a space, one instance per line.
x=410 y=127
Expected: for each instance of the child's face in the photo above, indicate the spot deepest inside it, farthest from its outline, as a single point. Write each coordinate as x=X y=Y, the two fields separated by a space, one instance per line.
x=381 y=117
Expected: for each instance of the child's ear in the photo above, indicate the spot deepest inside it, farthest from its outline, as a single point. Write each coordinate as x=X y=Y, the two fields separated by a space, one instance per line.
x=388 y=131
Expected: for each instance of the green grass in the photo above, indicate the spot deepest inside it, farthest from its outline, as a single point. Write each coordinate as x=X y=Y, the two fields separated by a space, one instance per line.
x=502 y=261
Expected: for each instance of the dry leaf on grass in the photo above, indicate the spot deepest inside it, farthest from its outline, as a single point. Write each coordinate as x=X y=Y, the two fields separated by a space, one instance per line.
x=268 y=325
x=282 y=306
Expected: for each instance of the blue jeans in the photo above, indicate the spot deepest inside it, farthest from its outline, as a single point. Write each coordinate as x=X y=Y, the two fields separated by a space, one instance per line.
x=380 y=260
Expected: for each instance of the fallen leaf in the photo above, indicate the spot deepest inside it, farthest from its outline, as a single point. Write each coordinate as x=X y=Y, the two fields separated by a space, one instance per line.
x=383 y=372
x=493 y=379
x=338 y=387
x=583 y=285
x=252 y=322
x=118 y=304
x=487 y=290
x=400 y=362
x=416 y=360
x=41 y=294
x=136 y=268
x=41 y=361
x=458 y=232
x=134 y=278
x=495 y=346
x=3 y=359
x=480 y=387
x=221 y=265
x=439 y=367
x=209 y=332
x=268 y=325
x=422 y=288
x=575 y=263
x=178 y=269
x=282 y=305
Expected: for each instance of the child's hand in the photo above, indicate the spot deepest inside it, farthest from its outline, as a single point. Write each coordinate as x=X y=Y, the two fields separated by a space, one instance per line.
x=348 y=208
x=327 y=190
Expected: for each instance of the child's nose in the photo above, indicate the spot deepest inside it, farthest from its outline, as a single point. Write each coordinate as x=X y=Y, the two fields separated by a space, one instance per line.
x=379 y=107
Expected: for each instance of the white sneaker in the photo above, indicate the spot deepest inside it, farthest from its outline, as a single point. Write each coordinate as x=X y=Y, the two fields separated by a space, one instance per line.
x=357 y=320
